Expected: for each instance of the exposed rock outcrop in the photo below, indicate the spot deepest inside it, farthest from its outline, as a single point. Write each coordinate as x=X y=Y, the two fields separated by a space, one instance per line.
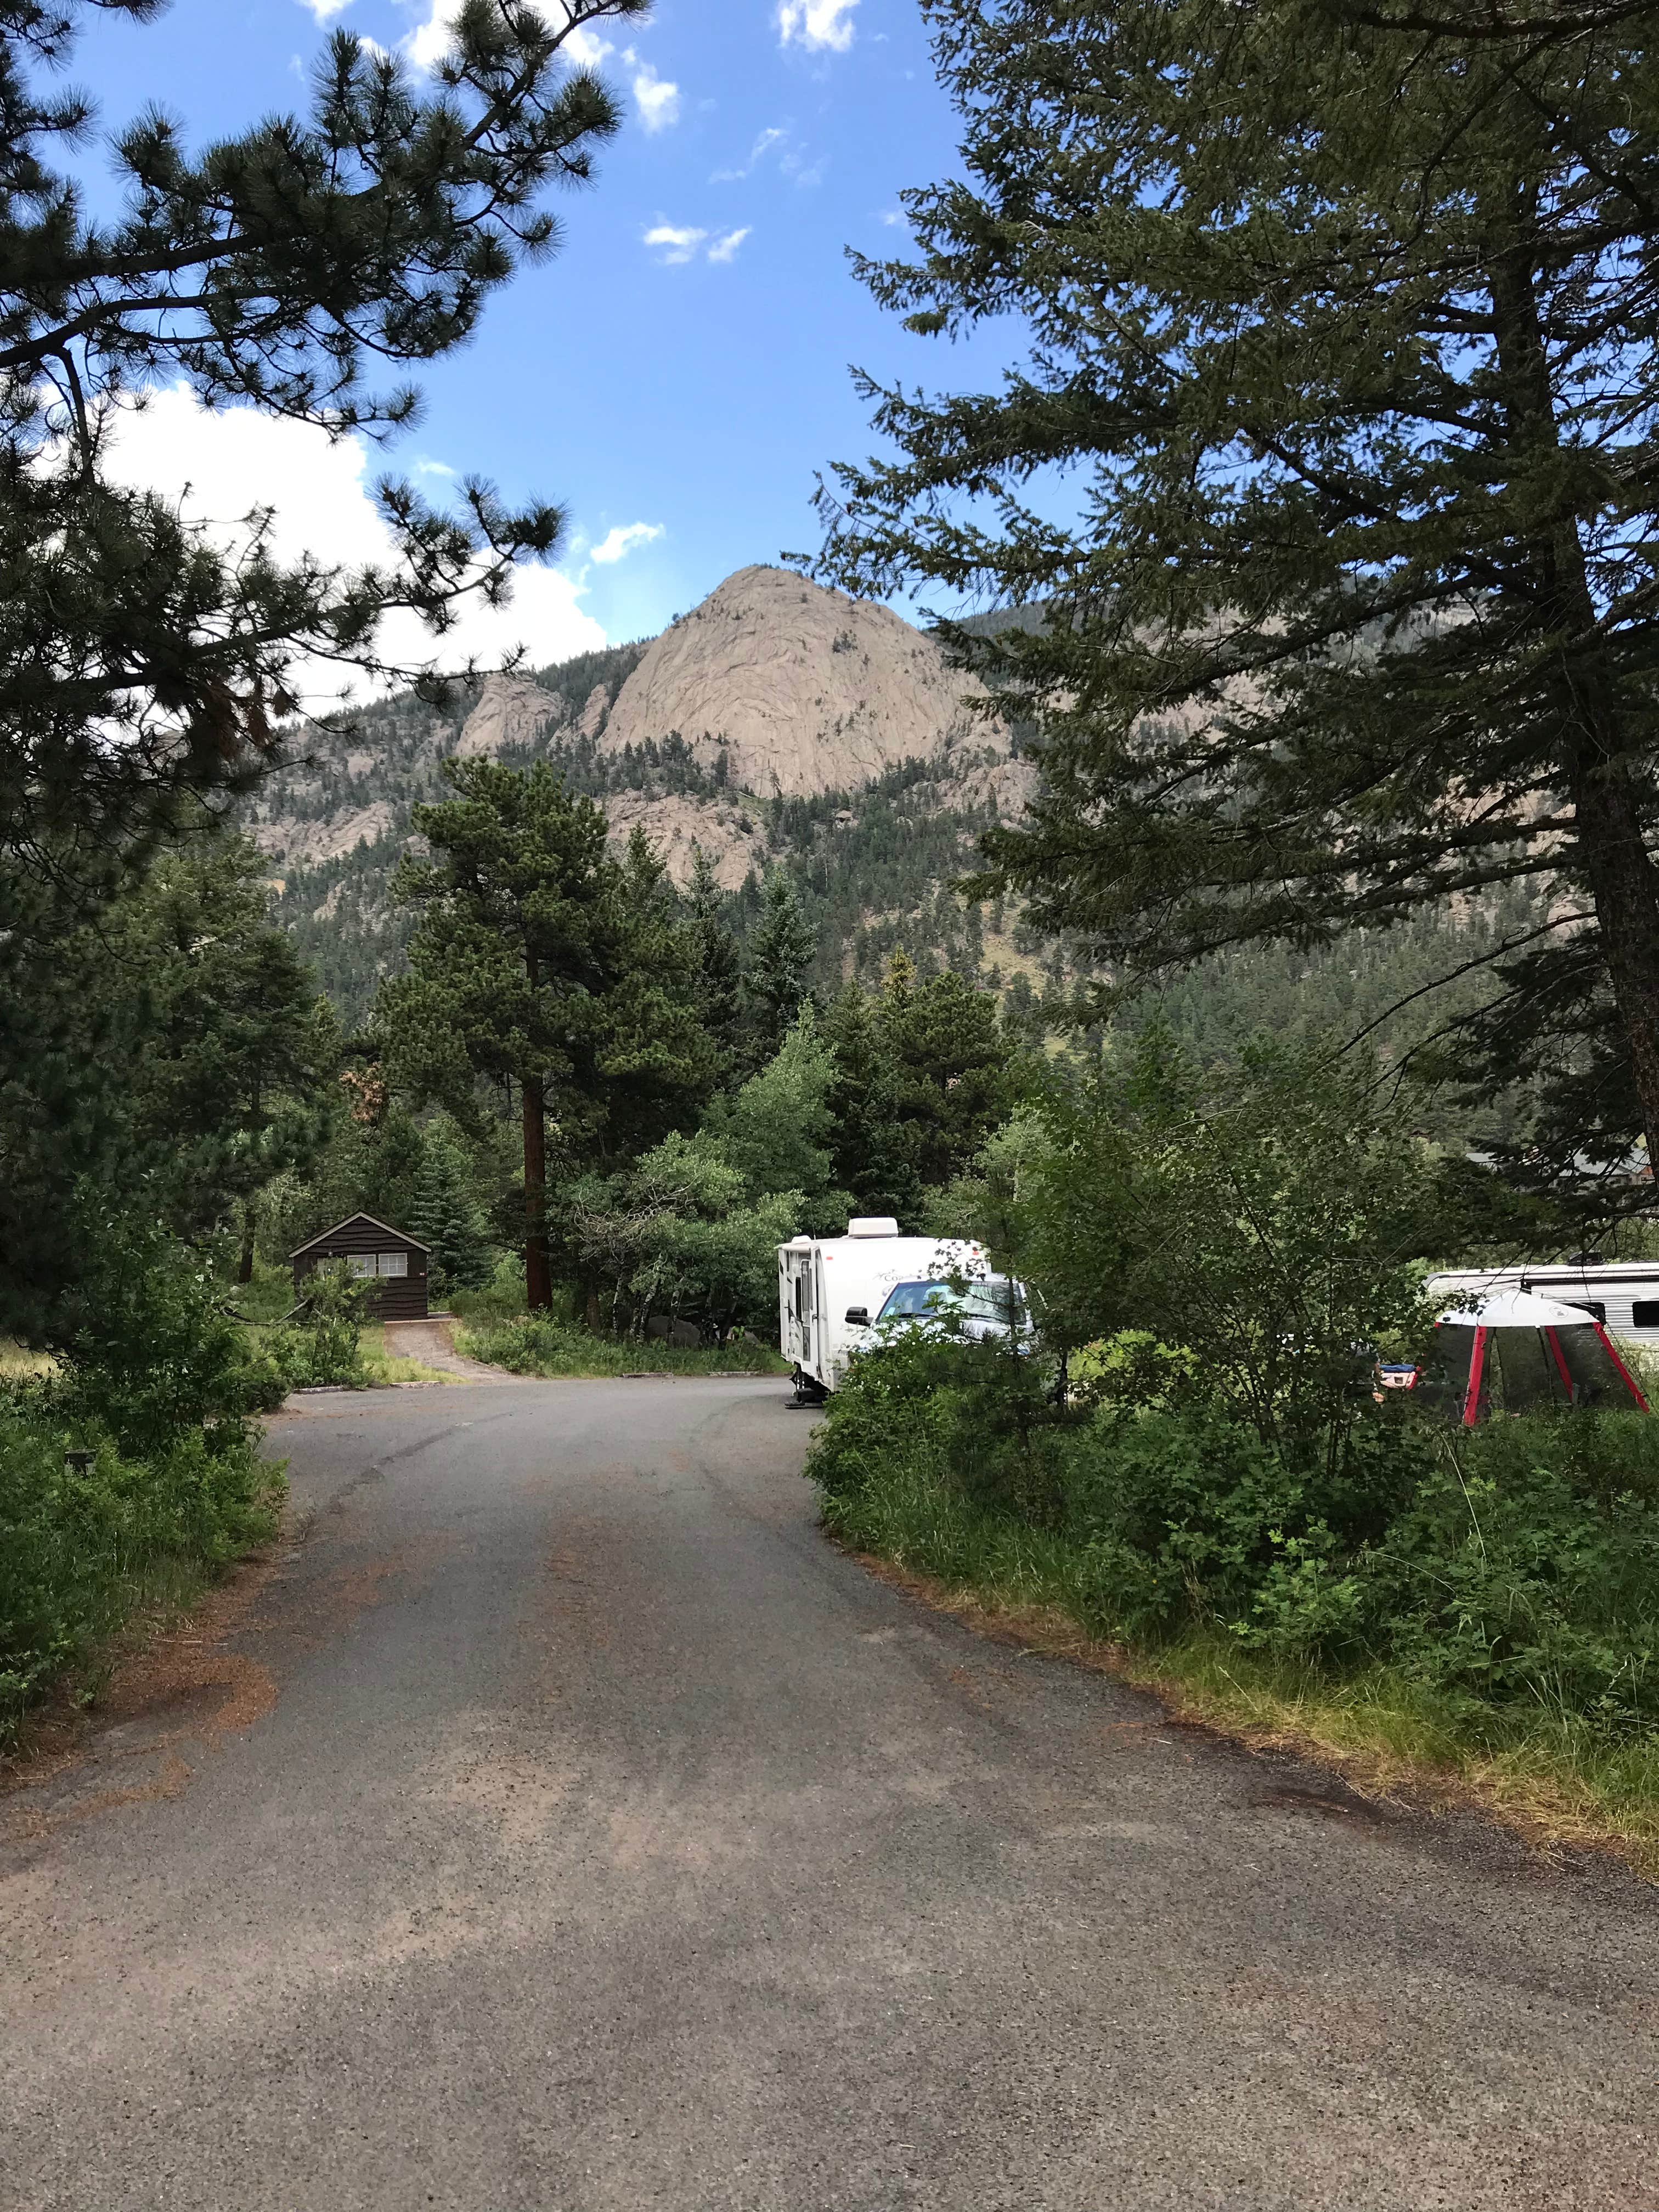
x=802 y=690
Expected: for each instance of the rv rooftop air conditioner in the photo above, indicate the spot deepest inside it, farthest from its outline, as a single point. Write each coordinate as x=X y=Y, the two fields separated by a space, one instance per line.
x=873 y=1224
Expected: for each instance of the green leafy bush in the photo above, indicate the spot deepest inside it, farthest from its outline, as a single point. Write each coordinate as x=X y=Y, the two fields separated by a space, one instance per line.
x=322 y=1348
x=77 y=1544
x=1514 y=1567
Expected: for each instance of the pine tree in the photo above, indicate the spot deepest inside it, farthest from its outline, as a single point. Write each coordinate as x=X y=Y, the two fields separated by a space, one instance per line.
x=168 y=1060
x=542 y=964
x=1348 y=335
x=870 y=1150
x=142 y=658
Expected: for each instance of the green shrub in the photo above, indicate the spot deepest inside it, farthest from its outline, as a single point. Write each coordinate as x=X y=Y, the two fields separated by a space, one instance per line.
x=151 y=1350
x=77 y=1545
x=1512 y=1567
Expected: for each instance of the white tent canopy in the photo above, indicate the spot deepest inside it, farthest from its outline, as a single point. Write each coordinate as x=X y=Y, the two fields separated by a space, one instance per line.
x=1517 y=1309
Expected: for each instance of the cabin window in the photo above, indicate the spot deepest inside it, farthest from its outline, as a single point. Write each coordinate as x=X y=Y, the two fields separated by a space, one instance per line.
x=379 y=1263
x=1645 y=1313
x=362 y=1263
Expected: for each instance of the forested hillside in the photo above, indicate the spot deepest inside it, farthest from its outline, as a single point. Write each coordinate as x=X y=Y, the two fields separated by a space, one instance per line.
x=873 y=861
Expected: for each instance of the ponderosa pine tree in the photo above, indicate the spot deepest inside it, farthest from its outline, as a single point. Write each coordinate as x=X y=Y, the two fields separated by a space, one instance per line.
x=142 y=659
x=543 y=966
x=1344 y=350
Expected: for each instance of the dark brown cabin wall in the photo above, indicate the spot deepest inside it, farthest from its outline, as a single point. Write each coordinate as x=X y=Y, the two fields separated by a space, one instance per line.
x=391 y=1298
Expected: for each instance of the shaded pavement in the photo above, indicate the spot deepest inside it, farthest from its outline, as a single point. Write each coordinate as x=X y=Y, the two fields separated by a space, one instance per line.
x=563 y=1823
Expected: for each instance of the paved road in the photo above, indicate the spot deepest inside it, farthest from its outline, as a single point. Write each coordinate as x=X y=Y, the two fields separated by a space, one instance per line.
x=569 y=1826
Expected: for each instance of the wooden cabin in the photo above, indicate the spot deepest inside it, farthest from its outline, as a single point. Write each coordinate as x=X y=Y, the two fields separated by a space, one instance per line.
x=393 y=1264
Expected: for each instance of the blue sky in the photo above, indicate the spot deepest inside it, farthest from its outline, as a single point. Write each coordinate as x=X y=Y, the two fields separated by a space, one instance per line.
x=680 y=367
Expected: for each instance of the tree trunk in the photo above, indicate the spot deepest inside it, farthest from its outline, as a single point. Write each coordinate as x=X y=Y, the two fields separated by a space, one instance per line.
x=1626 y=893
x=245 y=1260
x=538 y=1273
x=1608 y=814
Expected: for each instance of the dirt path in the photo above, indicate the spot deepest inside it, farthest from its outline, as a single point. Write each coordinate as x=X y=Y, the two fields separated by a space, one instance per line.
x=433 y=1343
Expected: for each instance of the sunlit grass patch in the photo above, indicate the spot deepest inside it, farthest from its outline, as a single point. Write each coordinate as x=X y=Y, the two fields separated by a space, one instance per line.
x=537 y=1345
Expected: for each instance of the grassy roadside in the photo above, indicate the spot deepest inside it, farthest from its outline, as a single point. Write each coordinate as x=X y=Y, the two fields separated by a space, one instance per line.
x=94 y=1551
x=1555 y=1784
x=1480 y=1628
x=385 y=1368
x=533 y=1345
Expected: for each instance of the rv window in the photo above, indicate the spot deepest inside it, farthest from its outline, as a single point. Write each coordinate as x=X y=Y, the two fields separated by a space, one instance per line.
x=1645 y=1313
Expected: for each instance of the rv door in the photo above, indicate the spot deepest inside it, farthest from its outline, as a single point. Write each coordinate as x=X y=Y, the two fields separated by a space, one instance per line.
x=804 y=1309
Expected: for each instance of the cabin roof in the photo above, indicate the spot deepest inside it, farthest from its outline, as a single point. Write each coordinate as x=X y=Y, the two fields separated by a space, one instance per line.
x=397 y=1236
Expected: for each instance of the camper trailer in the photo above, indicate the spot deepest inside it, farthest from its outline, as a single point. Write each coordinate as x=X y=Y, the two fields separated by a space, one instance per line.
x=832 y=1292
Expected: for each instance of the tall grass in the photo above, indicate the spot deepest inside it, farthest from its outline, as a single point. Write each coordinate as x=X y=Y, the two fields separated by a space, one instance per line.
x=535 y=1344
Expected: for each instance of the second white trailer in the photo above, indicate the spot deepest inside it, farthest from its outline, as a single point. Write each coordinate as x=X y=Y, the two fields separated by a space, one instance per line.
x=830 y=1290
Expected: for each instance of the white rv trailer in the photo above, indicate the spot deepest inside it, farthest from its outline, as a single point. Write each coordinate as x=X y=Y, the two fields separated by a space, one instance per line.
x=1623 y=1295
x=830 y=1290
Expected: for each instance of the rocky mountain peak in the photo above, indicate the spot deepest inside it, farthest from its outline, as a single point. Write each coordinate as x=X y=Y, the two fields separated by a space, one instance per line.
x=802 y=690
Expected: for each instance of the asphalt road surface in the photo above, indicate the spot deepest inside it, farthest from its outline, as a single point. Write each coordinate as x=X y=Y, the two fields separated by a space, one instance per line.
x=564 y=1824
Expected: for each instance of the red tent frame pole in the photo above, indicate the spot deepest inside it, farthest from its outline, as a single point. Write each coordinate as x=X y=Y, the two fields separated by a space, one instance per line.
x=1477 y=1367
x=1630 y=1383
x=1561 y=1365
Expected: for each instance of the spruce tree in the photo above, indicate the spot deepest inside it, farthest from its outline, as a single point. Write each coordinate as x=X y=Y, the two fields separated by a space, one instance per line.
x=719 y=963
x=780 y=952
x=445 y=1214
x=1342 y=334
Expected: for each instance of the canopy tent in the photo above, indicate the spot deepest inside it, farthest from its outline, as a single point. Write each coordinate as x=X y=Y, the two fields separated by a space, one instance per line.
x=1518 y=1353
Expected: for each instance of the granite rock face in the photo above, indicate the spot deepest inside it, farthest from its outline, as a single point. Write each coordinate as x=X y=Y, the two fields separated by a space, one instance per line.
x=802 y=690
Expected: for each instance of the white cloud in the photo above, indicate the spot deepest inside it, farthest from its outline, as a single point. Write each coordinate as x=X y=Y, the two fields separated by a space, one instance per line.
x=322 y=10
x=892 y=216
x=762 y=147
x=676 y=242
x=585 y=48
x=725 y=248
x=658 y=101
x=428 y=45
x=820 y=26
x=221 y=465
x=619 y=543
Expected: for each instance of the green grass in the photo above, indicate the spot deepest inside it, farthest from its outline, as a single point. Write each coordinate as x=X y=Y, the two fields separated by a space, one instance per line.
x=528 y=1344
